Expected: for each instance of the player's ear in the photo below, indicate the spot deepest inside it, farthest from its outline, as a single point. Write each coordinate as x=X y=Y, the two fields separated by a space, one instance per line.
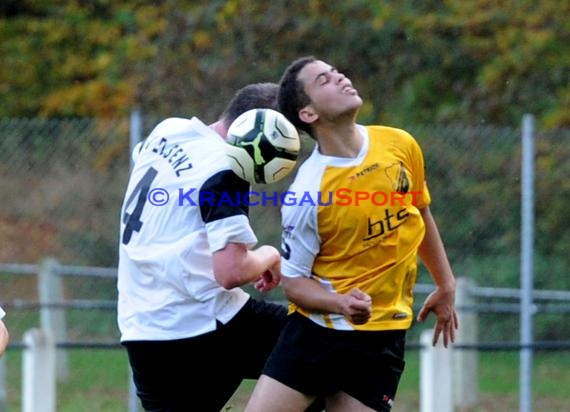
x=307 y=114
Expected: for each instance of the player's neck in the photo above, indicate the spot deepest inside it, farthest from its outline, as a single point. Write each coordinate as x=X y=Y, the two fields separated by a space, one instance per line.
x=340 y=140
x=220 y=128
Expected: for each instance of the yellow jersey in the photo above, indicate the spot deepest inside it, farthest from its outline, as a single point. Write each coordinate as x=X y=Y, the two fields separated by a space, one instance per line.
x=355 y=222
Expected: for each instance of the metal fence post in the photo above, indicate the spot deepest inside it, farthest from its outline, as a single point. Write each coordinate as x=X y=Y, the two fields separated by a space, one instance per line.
x=527 y=263
x=136 y=130
x=466 y=361
x=52 y=319
x=38 y=372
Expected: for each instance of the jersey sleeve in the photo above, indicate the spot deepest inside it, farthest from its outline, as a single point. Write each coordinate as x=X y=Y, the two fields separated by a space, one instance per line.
x=2 y=313
x=423 y=198
x=224 y=211
x=300 y=240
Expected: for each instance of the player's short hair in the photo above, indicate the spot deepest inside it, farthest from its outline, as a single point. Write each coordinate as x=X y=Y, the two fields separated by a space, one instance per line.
x=252 y=96
x=292 y=96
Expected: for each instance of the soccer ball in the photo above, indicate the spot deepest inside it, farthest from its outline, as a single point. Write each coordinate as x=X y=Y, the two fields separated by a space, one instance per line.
x=263 y=146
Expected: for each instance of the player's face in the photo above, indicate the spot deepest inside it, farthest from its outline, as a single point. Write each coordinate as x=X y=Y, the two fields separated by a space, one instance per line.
x=330 y=91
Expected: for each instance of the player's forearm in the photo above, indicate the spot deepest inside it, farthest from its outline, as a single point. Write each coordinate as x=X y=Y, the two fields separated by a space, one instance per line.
x=433 y=255
x=310 y=295
x=260 y=260
x=235 y=265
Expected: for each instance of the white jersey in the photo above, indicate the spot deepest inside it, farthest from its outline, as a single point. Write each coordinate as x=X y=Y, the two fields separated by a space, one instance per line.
x=176 y=213
x=2 y=313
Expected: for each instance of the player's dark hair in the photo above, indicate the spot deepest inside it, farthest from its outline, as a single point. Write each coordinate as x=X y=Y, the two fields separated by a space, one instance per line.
x=252 y=96
x=292 y=96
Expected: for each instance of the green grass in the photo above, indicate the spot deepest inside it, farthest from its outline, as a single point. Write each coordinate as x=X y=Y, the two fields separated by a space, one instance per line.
x=498 y=383
x=98 y=381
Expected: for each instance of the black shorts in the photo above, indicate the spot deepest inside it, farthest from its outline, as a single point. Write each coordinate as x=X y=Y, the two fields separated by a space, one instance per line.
x=202 y=373
x=319 y=361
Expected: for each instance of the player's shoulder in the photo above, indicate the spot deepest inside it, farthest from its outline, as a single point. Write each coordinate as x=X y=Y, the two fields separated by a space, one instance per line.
x=393 y=136
x=173 y=126
x=381 y=131
x=181 y=132
x=309 y=173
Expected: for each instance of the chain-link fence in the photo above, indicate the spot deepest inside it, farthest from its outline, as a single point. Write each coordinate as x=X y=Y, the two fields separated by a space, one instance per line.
x=474 y=177
x=62 y=183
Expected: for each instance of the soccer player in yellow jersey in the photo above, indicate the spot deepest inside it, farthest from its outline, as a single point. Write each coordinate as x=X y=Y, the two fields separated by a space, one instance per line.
x=349 y=258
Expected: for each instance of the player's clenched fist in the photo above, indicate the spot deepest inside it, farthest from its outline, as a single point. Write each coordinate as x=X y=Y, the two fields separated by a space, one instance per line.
x=267 y=281
x=356 y=306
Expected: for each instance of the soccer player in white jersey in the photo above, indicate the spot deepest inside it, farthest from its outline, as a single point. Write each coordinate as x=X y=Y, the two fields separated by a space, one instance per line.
x=4 y=336
x=192 y=335
x=361 y=239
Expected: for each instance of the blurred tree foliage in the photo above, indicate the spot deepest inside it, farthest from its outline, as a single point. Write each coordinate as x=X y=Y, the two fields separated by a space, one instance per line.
x=414 y=61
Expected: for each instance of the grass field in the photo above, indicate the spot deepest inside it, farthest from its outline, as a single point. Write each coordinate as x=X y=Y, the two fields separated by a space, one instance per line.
x=99 y=382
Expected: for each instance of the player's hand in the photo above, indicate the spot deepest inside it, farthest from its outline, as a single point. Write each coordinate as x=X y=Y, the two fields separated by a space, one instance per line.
x=442 y=304
x=356 y=306
x=268 y=280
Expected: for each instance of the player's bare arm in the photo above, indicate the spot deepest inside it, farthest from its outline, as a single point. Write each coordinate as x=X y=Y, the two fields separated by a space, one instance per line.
x=441 y=301
x=236 y=265
x=356 y=305
x=4 y=337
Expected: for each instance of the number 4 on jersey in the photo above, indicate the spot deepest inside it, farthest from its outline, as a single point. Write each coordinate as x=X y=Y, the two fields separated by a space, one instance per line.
x=132 y=221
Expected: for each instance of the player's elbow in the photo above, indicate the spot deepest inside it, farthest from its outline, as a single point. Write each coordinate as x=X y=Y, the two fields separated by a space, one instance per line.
x=229 y=278
x=230 y=269
x=292 y=288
